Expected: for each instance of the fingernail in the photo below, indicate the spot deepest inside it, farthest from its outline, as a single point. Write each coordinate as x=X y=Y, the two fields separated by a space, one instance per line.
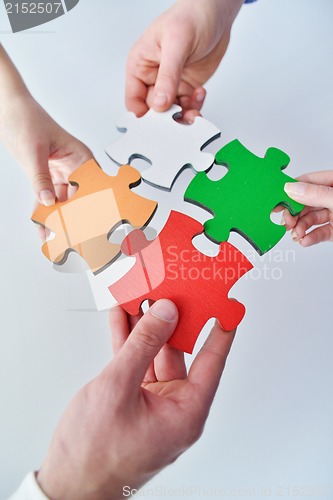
x=200 y=97
x=164 y=309
x=283 y=221
x=295 y=188
x=47 y=197
x=160 y=100
x=294 y=235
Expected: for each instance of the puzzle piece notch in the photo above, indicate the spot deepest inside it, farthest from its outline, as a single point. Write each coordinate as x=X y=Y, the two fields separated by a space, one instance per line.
x=166 y=144
x=188 y=275
x=84 y=223
x=245 y=197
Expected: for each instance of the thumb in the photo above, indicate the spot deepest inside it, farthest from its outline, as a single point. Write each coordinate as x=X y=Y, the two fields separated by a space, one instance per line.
x=145 y=341
x=174 y=53
x=40 y=176
x=312 y=195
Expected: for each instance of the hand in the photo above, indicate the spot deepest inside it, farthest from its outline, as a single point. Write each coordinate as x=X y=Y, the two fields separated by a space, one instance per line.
x=316 y=191
x=47 y=152
x=140 y=414
x=177 y=54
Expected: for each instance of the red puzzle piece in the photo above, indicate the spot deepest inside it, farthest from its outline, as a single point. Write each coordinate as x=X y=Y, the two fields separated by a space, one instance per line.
x=171 y=267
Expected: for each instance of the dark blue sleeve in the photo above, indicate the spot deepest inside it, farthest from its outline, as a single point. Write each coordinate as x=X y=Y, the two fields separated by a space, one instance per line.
x=249 y=1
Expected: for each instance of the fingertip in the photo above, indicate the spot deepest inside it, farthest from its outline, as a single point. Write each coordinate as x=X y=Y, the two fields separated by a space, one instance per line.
x=283 y=220
x=222 y=331
x=47 y=197
x=161 y=102
x=190 y=115
x=219 y=340
x=115 y=312
x=295 y=189
x=198 y=98
x=295 y=236
x=41 y=232
x=165 y=310
x=287 y=187
x=138 y=108
x=288 y=220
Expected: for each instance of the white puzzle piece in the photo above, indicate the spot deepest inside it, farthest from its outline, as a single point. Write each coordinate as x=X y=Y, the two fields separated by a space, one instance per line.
x=167 y=145
x=100 y=283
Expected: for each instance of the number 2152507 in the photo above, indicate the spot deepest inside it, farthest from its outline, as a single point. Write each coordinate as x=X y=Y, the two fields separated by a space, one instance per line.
x=33 y=8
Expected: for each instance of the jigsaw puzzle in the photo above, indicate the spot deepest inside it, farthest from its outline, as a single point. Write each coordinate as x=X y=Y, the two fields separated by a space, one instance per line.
x=171 y=267
x=84 y=222
x=244 y=198
x=168 y=145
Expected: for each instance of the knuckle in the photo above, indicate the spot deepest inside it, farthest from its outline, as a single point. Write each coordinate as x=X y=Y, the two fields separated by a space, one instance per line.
x=147 y=339
x=166 y=79
x=41 y=178
x=323 y=192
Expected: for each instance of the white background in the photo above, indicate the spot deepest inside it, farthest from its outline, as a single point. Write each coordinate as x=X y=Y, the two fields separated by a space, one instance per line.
x=271 y=424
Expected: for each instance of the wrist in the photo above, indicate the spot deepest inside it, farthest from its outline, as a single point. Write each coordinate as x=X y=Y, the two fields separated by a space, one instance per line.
x=59 y=480
x=229 y=8
x=15 y=99
x=219 y=14
x=58 y=487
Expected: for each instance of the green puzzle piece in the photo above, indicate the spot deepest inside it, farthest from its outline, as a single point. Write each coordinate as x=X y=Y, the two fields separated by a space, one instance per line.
x=244 y=198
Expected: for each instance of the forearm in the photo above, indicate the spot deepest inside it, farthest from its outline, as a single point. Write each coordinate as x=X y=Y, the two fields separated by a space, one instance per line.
x=222 y=8
x=11 y=82
x=217 y=16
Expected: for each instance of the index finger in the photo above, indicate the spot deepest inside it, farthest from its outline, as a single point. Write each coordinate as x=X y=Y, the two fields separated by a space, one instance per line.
x=136 y=95
x=208 y=366
x=324 y=177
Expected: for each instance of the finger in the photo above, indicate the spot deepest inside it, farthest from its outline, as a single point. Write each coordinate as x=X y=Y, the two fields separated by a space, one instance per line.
x=173 y=56
x=71 y=190
x=146 y=340
x=119 y=327
x=136 y=95
x=312 y=195
x=183 y=96
x=170 y=364
x=323 y=177
x=198 y=98
x=313 y=218
x=61 y=192
x=192 y=105
x=40 y=175
x=190 y=115
x=288 y=220
x=208 y=366
x=150 y=375
x=41 y=232
x=190 y=98
x=134 y=320
x=318 y=235
x=291 y=221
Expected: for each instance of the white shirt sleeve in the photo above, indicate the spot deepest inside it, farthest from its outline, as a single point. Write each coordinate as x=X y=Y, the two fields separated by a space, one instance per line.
x=29 y=490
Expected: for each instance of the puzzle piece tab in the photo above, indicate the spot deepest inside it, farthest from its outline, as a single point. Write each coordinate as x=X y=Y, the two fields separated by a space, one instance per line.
x=171 y=267
x=84 y=222
x=244 y=198
x=168 y=145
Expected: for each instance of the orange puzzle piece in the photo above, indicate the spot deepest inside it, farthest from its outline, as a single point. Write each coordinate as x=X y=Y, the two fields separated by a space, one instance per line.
x=84 y=222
